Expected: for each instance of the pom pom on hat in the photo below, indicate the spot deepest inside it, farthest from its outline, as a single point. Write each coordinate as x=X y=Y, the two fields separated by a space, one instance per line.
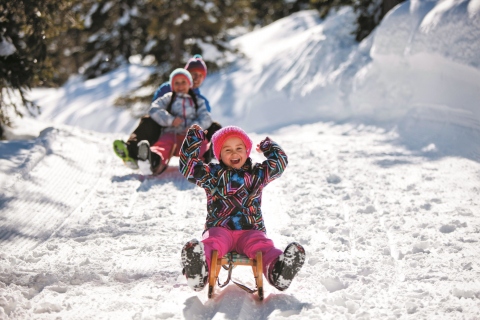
x=196 y=63
x=219 y=138
x=179 y=72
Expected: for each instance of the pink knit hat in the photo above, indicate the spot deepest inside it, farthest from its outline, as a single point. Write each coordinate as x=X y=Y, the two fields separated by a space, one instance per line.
x=196 y=63
x=219 y=138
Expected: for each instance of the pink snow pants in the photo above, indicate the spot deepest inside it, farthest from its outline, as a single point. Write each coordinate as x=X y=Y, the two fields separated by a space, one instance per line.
x=169 y=146
x=246 y=242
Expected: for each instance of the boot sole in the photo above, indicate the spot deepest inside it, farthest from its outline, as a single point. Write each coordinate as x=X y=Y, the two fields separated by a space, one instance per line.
x=143 y=151
x=293 y=260
x=195 y=265
x=121 y=151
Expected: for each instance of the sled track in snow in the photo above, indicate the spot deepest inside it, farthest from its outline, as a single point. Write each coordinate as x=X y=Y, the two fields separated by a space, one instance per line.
x=39 y=192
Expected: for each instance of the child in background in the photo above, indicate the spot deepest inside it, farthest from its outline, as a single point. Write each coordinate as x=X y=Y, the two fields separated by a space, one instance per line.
x=234 y=196
x=150 y=130
x=175 y=111
x=198 y=69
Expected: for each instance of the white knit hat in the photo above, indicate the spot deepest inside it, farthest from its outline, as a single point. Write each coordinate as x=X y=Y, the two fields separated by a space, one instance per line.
x=180 y=72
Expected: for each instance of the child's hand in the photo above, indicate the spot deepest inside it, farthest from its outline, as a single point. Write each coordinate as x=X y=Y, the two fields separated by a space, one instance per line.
x=265 y=142
x=177 y=121
x=196 y=127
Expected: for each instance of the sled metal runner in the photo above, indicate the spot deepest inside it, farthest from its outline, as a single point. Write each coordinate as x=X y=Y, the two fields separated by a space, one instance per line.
x=231 y=260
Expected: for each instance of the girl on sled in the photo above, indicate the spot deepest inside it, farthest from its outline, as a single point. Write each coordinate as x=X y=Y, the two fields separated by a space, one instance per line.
x=234 y=196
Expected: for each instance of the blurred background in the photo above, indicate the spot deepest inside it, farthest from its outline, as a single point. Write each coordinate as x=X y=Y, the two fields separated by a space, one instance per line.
x=44 y=42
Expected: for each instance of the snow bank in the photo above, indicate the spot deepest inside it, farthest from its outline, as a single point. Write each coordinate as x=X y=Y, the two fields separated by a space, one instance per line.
x=425 y=56
x=423 y=59
x=447 y=28
x=288 y=75
x=424 y=76
x=90 y=104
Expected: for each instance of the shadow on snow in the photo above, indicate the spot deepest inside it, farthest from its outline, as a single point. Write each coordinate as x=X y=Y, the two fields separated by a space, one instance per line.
x=234 y=303
x=169 y=176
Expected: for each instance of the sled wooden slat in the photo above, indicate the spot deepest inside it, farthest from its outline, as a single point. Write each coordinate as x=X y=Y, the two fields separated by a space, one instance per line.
x=237 y=260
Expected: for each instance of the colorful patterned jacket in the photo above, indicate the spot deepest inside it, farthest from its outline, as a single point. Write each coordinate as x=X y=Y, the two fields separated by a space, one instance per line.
x=234 y=196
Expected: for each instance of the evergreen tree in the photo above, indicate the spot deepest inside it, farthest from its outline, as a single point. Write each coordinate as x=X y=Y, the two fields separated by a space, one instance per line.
x=179 y=29
x=369 y=12
x=324 y=6
x=266 y=12
x=65 y=50
x=114 y=31
x=26 y=27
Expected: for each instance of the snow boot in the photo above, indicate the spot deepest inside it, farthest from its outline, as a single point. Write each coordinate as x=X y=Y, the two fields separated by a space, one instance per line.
x=145 y=154
x=121 y=150
x=282 y=271
x=194 y=264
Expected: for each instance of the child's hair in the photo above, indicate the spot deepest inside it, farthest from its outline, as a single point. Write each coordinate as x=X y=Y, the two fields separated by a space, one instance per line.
x=219 y=138
x=179 y=72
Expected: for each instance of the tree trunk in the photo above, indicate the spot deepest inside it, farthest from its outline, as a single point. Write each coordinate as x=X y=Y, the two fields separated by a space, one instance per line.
x=177 y=45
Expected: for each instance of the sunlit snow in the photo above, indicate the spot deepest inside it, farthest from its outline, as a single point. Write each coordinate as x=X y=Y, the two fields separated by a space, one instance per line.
x=382 y=186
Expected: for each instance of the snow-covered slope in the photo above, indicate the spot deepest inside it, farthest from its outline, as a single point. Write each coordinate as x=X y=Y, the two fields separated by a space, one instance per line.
x=384 y=198
x=90 y=104
x=388 y=233
x=423 y=59
x=290 y=73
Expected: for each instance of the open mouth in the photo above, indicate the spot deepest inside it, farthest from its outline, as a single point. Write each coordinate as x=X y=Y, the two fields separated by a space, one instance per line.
x=235 y=161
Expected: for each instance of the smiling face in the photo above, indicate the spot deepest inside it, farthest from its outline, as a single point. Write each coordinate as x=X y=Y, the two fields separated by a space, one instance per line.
x=197 y=77
x=180 y=84
x=234 y=153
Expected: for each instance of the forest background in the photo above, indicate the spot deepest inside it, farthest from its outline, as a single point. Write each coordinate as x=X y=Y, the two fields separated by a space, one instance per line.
x=44 y=42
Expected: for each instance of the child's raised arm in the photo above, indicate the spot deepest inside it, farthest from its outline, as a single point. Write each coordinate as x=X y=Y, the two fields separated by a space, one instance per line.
x=276 y=161
x=190 y=165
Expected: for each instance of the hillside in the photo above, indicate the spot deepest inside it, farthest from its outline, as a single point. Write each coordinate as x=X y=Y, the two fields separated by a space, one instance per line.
x=381 y=188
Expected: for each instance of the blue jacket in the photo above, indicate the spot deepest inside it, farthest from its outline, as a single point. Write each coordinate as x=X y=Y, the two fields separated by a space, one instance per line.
x=165 y=88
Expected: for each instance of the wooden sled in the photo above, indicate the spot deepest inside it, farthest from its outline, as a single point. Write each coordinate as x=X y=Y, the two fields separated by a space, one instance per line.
x=229 y=261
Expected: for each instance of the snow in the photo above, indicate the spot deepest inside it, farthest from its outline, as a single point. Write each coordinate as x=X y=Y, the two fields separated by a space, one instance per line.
x=6 y=47
x=90 y=104
x=381 y=189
